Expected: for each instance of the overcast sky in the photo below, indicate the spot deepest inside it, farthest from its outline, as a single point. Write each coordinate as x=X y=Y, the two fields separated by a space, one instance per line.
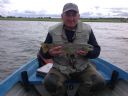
x=88 y=8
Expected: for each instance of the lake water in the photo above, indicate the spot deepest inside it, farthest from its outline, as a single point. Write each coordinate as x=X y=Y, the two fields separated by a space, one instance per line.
x=20 y=42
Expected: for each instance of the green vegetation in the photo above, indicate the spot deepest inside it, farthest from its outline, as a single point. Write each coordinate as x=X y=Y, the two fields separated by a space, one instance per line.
x=125 y=20
x=30 y=19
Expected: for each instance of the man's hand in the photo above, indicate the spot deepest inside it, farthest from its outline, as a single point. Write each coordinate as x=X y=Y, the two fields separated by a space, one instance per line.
x=81 y=52
x=56 y=51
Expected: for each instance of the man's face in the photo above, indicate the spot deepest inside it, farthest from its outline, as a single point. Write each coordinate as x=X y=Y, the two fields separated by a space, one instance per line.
x=70 y=18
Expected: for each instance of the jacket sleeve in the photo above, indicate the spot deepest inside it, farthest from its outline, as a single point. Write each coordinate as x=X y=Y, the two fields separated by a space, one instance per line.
x=96 y=51
x=41 y=55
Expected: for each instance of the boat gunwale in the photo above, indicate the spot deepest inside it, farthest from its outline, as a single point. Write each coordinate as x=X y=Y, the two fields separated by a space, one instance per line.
x=12 y=79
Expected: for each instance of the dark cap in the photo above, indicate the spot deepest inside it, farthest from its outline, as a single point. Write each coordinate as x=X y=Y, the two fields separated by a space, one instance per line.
x=70 y=6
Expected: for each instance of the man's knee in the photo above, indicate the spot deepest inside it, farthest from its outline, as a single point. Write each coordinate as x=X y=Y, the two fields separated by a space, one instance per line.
x=54 y=85
x=51 y=83
x=98 y=83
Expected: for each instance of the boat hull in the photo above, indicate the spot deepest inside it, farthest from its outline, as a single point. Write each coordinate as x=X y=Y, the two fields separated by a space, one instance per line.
x=15 y=84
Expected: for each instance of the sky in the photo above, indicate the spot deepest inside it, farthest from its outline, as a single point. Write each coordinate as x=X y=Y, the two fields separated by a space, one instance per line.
x=53 y=8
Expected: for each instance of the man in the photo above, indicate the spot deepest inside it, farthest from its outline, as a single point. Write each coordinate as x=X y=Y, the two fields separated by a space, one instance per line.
x=77 y=67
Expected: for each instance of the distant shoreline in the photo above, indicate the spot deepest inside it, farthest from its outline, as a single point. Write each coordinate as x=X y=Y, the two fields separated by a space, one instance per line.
x=118 y=20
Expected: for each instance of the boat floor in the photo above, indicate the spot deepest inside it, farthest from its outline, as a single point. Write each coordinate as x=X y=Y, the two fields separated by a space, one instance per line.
x=18 y=90
x=121 y=89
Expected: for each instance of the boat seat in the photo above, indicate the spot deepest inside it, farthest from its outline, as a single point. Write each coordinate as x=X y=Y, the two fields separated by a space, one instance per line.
x=105 y=76
x=34 y=79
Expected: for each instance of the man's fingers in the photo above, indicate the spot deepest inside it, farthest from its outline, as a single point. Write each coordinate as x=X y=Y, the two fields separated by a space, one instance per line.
x=81 y=52
x=56 y=50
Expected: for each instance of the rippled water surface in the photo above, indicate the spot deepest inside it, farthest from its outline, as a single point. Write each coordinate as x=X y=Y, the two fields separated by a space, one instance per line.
x=20 y=42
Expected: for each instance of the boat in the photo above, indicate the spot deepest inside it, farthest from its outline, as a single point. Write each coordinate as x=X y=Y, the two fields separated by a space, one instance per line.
x=25 y=81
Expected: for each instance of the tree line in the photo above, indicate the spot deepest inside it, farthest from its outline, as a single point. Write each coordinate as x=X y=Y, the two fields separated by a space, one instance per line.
x=101 y=19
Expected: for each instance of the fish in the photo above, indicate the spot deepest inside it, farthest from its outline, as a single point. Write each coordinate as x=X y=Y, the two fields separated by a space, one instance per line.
x=68 y=48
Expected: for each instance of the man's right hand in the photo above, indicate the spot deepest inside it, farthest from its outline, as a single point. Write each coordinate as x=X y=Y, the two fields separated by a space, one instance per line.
x=56 y=51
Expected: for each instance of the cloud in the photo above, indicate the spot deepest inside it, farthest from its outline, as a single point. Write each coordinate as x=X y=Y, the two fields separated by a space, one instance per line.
x=3 y=4
x=28 y=13
x=97 y=7
x=4 y=1
x=122 y=14
x=34 y=8
x=119 y=12
x=87 y=14
x=94 y=15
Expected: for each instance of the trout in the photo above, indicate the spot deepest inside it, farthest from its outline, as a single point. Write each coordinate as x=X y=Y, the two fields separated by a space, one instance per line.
x=69 y=48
